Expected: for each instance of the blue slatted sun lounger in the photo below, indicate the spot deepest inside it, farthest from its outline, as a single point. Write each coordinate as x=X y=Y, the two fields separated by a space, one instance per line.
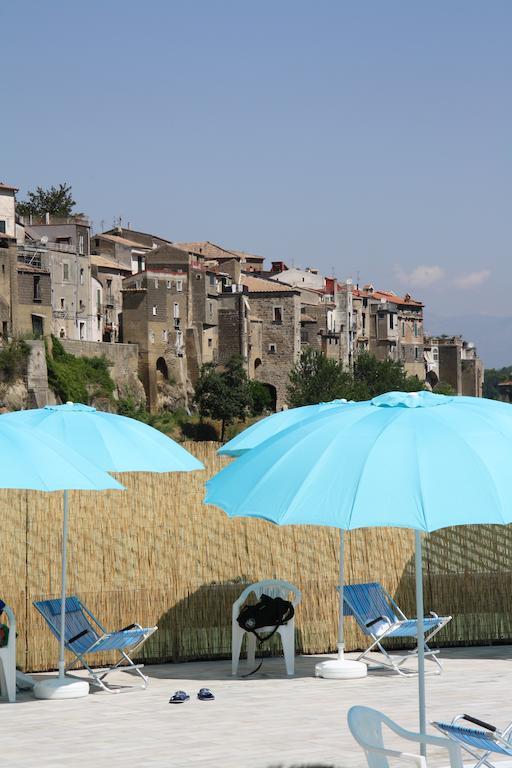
x=84 y=635
x=380 y=618
x=481 y=743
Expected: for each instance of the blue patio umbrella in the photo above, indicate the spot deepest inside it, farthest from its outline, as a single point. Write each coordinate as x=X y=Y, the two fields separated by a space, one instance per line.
x=325 y=471
x=110 y=442
x=41 y=463
x=257 y=433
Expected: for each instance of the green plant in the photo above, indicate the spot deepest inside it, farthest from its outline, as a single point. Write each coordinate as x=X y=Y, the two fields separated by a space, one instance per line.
x=223 y=395
x=79 y=379
x=13 y=359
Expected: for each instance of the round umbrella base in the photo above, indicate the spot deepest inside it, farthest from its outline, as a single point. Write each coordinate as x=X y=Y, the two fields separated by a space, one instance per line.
x=61 y=688
x=340 y=669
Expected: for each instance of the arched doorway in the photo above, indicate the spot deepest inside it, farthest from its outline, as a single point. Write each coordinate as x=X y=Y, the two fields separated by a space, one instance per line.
x=272 y=393
x=162 y=370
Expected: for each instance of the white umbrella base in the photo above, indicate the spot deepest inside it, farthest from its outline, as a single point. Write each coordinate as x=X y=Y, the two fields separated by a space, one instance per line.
x=341 y=669
x=61 y=688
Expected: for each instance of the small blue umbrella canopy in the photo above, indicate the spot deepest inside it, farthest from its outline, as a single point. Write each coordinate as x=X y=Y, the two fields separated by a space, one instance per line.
x=260 y=431
x=440 y=461
x=112 y=443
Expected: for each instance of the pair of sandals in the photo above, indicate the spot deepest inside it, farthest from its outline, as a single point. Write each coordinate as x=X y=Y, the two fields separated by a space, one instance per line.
x=180 y=697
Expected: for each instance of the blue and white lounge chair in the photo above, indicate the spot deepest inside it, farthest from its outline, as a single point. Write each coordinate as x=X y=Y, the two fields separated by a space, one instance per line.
x=85 y=635
x=380 y=618
x=481 y=742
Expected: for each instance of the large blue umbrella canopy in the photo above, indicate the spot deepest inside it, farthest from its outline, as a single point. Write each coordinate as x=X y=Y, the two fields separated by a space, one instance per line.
x=440 y=461
x=260 y=431
x=114 y=443
x=110 y=442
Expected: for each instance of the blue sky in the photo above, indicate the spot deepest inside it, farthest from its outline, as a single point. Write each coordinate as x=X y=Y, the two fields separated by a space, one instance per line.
x=369 y=137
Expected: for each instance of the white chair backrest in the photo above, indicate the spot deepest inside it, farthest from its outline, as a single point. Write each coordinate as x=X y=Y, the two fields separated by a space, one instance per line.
x=366 y=726
x=272 y=588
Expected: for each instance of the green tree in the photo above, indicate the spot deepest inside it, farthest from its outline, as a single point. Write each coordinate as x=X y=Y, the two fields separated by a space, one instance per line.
x=223 y=395
x=260 y=397
x=318 y=379
x=374 y=377
x=492 y=377
x=443 y=388
x=58 y=201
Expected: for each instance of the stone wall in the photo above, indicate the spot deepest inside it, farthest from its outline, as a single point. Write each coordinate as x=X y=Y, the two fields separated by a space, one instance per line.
x=124 y=359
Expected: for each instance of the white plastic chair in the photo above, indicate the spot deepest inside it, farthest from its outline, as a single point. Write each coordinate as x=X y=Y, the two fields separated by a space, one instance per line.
x=8 y=660
x=272 y=588
x=366 y=726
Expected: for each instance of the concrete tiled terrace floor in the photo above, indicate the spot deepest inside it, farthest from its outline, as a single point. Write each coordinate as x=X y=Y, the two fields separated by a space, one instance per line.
x=268 y=720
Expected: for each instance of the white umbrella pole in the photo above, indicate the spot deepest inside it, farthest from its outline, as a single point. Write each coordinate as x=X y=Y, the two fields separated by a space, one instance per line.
x=341 y=632
x=341 y=668
x=421 y=644
x=63 y=585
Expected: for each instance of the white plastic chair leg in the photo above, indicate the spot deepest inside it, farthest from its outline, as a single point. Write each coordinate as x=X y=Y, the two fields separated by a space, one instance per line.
x=237 y=636
x=251 y=649
x=8 y=676
x=287 y=633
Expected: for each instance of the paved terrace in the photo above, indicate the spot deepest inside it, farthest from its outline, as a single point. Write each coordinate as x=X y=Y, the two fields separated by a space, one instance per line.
x=268 y=720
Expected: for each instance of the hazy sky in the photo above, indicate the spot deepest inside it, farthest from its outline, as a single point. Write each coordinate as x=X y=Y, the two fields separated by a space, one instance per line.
x=372 y=137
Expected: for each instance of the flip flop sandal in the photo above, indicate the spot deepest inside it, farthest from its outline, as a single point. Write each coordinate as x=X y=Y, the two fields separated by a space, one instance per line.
x=179 y=697
x=205 y=695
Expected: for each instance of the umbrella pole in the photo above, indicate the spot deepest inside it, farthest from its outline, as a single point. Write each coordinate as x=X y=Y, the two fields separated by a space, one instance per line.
x=63 y=585
x=421 y=644
x=341 y=631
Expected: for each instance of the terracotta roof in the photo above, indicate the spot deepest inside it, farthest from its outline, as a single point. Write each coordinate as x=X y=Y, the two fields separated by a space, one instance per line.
x=103 y=261
x=406 y=300
x=8 y=186
x=246 y=255
x=30 y=268
x=213 y=251
x=259 y=285
x=122 y=241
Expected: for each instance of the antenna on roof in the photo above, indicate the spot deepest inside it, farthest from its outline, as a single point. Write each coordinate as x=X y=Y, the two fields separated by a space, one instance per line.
x=358 y=277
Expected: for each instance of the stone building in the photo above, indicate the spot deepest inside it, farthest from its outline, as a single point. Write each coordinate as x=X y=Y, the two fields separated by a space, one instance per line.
x=452 y=360
x=390 y=327
x=62 y=247
x=25 y=294
x=128 y=247
x=219 y=255
x=107 y=298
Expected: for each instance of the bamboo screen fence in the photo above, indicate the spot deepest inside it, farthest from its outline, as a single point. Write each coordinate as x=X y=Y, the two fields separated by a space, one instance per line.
x=156 y=555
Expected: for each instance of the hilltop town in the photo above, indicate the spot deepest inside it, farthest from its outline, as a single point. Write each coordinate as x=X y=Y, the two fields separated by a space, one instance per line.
x=162 y=309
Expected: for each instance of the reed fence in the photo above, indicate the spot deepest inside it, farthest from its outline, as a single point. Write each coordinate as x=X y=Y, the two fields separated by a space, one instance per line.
x=155 y=554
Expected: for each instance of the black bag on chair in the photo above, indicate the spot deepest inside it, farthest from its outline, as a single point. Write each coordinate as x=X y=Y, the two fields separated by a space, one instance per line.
x=267 y=612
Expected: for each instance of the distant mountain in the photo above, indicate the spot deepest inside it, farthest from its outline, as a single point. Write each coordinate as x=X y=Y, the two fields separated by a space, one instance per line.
x=491 y=334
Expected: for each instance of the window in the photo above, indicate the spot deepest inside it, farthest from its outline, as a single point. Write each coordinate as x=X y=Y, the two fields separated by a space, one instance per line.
x=179 y=285
x=81 y=276
x=212 y=280
x=272 y=348
x=403 y=328
x=82 y=331
x=278 y=315
x=81 y=306
x=2 y=226
x=210 y=342
x=435 y=354
x=391 y=321
x=156 y=282
x=155 y=310
x=5 y=331
x=198 y=277
x=363 y=316
x=97 y=242
x=65 y=271
x=304 y=336
x=165 y=336
x=63 y=240
x=81 y=245
x=210 y=308
x=415 y=328
x=62 y=333
x=62 y=303
x=176 y=310
x=169 y=284
x=416 y=353
x=37 y=288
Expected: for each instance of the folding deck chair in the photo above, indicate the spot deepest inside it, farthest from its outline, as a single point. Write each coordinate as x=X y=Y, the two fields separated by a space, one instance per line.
x=380 y=618
x=84 y=635
x=480 y=742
